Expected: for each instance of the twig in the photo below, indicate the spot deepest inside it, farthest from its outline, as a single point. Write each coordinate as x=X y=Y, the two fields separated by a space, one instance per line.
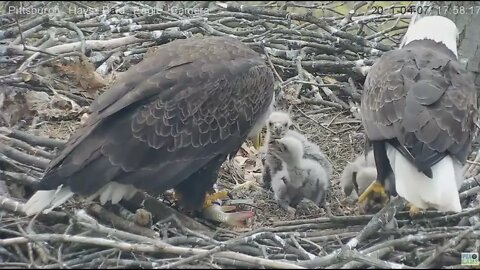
x=10 y=204
x=30 y=24
x=28 y=170
x=351 y=220
x=308 y=17
x=187 y=240
x=380 y=219
x=272 y=66
x=25 y=147
x=221 y=247
x=19 y=178
x=21 y=157
x=331 y=95
x=49 y=42
x=72 y=26
x=348 y=17
x=371 y=261
x=321 y=102
x=235 y=264
x=130 y=264
x=182 y=24
x=121 y=223
x=329 y=69
x=27 y=33
x=448 y=218
x=471 y=168
x=377 y=221
x=470 y=192
x=470 y=183
x=358 y=264
x=409 y=240
x=305 y=253
x=162 y=211
x=85 y=258
x=452 y=242
x=32 y=139
x=354 y=68
x=89 y=45
x=149 y=248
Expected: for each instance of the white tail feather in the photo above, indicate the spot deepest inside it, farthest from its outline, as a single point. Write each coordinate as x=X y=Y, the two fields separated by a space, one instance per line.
x=114 y=192
x=440 y=192
x=118 y=194
x=106 y=194
x=47 y=200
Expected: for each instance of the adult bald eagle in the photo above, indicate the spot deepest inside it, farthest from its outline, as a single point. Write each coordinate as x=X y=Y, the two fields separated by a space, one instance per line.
x=419 y=110
x=169 y=122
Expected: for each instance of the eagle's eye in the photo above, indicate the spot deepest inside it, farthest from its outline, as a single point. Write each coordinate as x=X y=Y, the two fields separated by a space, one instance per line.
x=285 y=124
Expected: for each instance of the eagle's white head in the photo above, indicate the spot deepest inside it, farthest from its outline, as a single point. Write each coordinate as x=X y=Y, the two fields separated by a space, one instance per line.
x=437 y=28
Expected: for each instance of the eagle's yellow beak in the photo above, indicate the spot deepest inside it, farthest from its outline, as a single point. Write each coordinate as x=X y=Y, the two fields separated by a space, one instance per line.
x=257 y=140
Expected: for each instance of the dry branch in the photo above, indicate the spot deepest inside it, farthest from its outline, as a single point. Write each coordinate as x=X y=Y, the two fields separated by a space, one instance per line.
x=320 y=57
x=32 y=139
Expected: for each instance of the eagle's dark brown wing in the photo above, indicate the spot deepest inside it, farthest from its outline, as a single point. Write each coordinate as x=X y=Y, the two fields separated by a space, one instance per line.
x=192 y=103
x=422 y=99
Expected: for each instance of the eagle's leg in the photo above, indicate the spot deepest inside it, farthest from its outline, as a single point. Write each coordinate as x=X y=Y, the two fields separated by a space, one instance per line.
x=193 y=192
x=375 y=193
x=374 y=187
x=209 y=197
x=197 y=193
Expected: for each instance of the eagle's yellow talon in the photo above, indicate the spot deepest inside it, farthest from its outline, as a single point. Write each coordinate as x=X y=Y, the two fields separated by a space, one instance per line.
x=210 y=198
x=413 y=210
x=374 y=187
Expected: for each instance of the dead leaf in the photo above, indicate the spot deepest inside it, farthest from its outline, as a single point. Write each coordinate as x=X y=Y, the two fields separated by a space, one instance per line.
x=329 y=80
x=240 y=160
x=249 y=176
x=14 y=107
x=83 y=73
x=248 y=150
x=150 y=51
x=37 y=101
x=84 y=118
x=251 y=165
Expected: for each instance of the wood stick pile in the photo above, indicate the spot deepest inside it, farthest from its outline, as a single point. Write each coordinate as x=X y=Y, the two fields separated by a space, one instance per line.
x=55 y=63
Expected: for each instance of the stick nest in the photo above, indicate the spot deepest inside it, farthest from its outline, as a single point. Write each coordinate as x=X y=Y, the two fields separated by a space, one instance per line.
x=54 y=64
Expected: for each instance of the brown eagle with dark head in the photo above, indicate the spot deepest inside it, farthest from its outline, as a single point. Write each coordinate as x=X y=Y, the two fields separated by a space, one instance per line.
x=169 y=122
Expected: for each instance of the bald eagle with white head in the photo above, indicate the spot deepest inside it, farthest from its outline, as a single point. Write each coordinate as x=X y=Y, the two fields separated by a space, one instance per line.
x=419 y=110
x=168 y=123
